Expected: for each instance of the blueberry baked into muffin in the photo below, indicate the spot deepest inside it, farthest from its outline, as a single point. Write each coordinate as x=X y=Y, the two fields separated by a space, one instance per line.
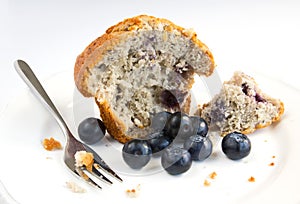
x=139 y=67
x=241 y=106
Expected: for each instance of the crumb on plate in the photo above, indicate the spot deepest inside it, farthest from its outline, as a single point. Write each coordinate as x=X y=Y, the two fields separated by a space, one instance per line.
x=213 y=175
x=75 y=188
x=251 y=179
x=51 y=144
x=206 y=182
x=134 y=192
x=272 y=164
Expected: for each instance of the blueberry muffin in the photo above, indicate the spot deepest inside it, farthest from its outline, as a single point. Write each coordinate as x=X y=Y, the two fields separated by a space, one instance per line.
x=241 y=106
x=138 y=67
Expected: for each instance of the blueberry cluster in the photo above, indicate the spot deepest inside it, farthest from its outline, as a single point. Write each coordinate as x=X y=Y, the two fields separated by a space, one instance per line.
x=176 y=137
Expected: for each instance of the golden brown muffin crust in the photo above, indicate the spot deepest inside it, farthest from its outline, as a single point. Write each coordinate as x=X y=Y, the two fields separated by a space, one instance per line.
x=113 y=35
x=95 y=51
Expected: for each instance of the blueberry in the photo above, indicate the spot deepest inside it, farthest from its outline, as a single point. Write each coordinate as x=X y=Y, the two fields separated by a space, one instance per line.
x=136 y=153
x=200 y=125
x=158 y=142
x=176 y=160
x=171 y=99
x=159 y=121
x=91 y=130
x=179 y=125
x=236 y=145
x=173 y=125
x=247 y=90
x=199 y=147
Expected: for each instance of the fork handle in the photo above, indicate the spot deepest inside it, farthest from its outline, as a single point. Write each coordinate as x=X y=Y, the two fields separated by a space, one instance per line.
x=36 y=87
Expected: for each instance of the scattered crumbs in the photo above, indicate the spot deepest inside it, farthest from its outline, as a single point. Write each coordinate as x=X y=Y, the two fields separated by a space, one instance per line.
x=213 y=175
x=134 y=192
x=206 y=182
x=272 y=164
x=251 y=179
x=49 y=158
x=51 y=144
x=75 y=188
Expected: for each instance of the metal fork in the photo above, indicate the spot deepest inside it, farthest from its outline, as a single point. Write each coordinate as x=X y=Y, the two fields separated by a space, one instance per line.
x=72 y=144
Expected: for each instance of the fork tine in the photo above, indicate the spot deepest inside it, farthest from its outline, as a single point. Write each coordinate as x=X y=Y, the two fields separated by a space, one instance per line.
x=85 y=177
x=100 y=163
x=93 y=183
x=99 y=175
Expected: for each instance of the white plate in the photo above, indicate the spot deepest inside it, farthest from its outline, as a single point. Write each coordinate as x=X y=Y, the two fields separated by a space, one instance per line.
x=33 y=175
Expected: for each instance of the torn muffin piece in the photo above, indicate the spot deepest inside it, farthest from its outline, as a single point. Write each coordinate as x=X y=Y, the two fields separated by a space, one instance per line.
x=241 y=106
x=139 y=67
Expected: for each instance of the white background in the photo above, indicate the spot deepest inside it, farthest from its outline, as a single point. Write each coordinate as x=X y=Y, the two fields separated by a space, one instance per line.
x=256 y=35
